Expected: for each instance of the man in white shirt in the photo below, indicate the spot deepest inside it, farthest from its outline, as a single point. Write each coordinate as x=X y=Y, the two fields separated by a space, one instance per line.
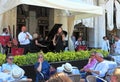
x=24 y=38
x=117 y=45
x=101 y=67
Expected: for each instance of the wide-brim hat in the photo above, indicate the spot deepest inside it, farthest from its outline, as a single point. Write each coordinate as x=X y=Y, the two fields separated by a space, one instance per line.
x=17 y=73
x=67 y=67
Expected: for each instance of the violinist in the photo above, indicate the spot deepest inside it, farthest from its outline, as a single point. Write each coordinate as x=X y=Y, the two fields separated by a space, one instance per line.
x=24 y=39
x=59 y=38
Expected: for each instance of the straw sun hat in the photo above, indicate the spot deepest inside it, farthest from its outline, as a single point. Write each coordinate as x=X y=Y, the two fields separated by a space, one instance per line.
x=67 y=67
x=17 y=73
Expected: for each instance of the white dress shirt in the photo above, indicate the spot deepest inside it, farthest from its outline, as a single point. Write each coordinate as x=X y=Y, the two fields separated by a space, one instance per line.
x=102 y=67
x=4 y=34
x=105 y=45
x=117 y=47
x=22 y=38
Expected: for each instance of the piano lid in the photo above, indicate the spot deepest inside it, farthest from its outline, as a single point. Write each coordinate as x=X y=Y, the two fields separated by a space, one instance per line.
x=53 y=31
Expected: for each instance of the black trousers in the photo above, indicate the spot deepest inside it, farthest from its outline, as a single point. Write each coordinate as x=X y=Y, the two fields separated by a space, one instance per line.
x=6 y=50
x=26 y=48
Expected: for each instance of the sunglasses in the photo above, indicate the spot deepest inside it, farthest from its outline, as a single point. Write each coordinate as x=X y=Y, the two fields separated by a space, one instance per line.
x=40 y=57
x=11 y=58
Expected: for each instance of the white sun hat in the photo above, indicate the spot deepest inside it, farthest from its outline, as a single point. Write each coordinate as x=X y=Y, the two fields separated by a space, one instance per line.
x=67 y=67
x=17 y=73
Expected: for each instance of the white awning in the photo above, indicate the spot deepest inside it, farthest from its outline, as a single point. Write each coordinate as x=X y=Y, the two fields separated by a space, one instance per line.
x=81 y=10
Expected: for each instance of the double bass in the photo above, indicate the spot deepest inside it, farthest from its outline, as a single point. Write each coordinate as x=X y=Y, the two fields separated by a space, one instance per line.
x=13 y=42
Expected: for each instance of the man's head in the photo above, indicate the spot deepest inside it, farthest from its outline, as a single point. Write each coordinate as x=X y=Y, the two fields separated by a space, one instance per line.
x=116 y=38
x=98 y=56
x=105 y=38
x=5 y=30
x=9 y=58
x=80 y=38
x=24 y=29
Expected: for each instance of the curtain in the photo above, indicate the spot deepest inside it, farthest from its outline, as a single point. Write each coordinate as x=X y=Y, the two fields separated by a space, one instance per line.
x=1 y=19
x=70 y=31
x=117 y=5
x=109 y=10
x=88 y=22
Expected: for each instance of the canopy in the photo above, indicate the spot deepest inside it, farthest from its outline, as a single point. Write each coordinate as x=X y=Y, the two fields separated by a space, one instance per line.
x=79 y=9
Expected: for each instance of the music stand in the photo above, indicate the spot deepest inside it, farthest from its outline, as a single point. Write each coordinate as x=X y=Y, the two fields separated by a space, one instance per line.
x=4 y=40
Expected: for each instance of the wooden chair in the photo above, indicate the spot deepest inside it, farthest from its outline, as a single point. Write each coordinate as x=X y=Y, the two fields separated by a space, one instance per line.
x=75 y=77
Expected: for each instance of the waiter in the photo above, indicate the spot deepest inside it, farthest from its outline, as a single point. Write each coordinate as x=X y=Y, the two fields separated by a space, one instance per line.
x=24 y=38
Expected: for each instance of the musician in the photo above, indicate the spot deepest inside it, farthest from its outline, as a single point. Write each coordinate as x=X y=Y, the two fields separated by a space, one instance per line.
x=5 y=47
x=36 y=45
x=24 y=38
x=79 y=44
x=59 y=38
x=5 y=32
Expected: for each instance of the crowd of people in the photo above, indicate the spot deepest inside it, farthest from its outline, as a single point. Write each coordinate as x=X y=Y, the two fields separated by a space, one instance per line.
x=55 y=41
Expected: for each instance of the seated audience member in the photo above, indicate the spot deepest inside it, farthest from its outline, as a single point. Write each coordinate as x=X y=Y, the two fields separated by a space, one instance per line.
x=18 y=75
x=36 y=46
x=10 y=67
x=7 y=67
x=116 y=75
x=117 y=45
x=98 y=69
x=52 y=70
x=68 y=69
x=91 y=63
x=59 y=77
x=42 y=68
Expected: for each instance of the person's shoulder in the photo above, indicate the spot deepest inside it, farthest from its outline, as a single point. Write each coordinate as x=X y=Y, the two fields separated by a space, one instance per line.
x=45 y=61
x=4 y=64
x=36 y=63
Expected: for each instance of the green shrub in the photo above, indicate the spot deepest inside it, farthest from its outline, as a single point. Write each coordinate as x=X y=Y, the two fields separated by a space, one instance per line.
x=31 y=58
x=2 y=58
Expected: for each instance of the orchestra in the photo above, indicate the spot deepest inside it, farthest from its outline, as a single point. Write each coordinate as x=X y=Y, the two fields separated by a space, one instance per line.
x=54 y=41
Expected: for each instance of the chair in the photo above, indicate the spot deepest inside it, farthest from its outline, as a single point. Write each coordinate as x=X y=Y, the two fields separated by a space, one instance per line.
x=75 y=77
x=92 y=78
